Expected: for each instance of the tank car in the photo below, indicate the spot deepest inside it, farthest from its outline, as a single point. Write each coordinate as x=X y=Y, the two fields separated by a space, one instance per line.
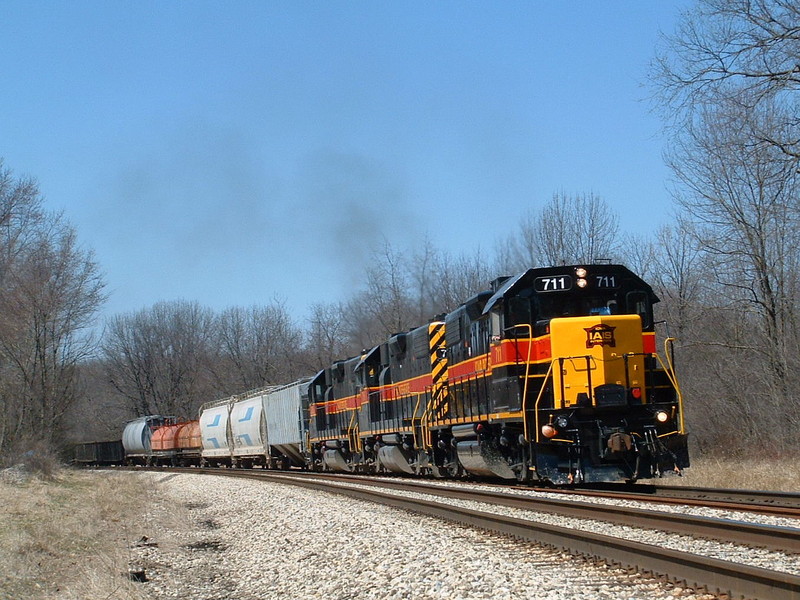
x=176 y=444
x=137 y=435
x=190 y=443
x=164 y=445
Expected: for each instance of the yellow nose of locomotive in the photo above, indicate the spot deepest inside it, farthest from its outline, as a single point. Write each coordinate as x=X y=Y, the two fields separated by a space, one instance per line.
x=597 y=360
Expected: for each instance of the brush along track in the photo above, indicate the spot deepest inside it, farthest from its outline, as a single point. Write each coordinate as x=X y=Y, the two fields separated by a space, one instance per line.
x=714 y=574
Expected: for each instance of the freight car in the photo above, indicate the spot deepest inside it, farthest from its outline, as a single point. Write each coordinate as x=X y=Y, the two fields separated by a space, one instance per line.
x=176 y=444
x=137 y=437
x=265 y=427
x=99 y=453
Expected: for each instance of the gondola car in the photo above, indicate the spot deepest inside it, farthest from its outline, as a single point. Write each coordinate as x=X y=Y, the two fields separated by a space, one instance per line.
x=99 y=453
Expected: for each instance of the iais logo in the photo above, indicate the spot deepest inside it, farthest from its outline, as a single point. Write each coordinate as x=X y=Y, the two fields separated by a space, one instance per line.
x=600 y=335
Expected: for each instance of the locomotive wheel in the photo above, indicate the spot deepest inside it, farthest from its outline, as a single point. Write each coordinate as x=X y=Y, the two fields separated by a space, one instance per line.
x=455 y=470
x=524 y=474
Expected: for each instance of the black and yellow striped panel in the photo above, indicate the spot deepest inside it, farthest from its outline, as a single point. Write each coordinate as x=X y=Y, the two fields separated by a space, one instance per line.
x=439 y=402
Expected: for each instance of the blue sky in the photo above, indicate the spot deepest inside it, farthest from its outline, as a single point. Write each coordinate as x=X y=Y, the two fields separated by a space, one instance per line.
x=233 y=153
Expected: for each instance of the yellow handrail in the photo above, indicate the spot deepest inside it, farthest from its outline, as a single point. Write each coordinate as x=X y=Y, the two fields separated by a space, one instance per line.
x=669 y=369
x=529 y=327
x=413 y=418
x=536 y=406
x=352 y=433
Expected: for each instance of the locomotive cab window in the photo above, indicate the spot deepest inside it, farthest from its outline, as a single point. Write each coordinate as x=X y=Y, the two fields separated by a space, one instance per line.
x=520 y=312
x=479 y=339
x=372 y=376
x=552 y=307
x=496 y=326
x=638 y=303
x=321 y=419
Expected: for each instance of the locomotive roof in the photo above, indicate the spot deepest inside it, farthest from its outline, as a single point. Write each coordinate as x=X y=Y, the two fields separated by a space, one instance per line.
x=513 y=282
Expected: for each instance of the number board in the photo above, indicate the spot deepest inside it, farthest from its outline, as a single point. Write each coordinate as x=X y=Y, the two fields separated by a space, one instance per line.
x=605 y=282
x=556 y=283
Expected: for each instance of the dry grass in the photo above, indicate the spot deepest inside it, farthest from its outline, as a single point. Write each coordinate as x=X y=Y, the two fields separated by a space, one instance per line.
x=774 y=474
x=69 y=537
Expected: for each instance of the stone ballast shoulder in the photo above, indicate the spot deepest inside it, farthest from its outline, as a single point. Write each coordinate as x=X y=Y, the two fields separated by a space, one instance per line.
x=250 y=540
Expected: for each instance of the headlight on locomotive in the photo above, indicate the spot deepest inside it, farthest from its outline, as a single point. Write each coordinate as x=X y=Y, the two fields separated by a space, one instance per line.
x=549 y=431
x=662 y=416
x=561 y=422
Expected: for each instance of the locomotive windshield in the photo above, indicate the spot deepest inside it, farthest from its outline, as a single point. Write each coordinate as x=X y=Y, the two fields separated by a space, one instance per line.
x=568 y=305
x=534 y=300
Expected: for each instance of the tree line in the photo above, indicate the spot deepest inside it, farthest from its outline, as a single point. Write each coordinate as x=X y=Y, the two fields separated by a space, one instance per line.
x=725 y=268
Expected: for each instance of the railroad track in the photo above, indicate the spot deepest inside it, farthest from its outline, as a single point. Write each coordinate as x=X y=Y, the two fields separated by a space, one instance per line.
x=718 y=576
x=782 y=504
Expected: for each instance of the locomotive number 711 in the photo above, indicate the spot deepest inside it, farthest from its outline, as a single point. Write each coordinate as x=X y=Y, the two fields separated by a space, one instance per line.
x=558 y=283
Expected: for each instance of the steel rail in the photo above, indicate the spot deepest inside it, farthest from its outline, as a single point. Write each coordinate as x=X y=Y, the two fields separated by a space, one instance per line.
x=718 y=576
x=784 y=504
x=779 y=504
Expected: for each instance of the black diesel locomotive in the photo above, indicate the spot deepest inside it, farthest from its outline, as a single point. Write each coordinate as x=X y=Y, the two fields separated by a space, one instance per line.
x=551 y=376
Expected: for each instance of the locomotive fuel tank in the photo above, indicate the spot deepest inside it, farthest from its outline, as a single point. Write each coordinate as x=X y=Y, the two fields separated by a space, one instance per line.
x=392 y=456
x=477 y=458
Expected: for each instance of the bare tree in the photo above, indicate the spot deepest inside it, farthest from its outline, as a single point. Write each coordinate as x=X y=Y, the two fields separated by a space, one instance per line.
x=572 y=229
x=743 y=197
x=522 y=251
x=734 y=51
x=326 y=338
x=159 y=358
x=728 y=81
x=459 y=277
x=422 y=275
x=679 y=278
x=255 y=347
x=384 y=306
x=50 y=291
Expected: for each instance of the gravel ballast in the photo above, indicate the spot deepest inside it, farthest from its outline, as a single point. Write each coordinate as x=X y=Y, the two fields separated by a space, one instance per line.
x=740 y=554
x=218 y=537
